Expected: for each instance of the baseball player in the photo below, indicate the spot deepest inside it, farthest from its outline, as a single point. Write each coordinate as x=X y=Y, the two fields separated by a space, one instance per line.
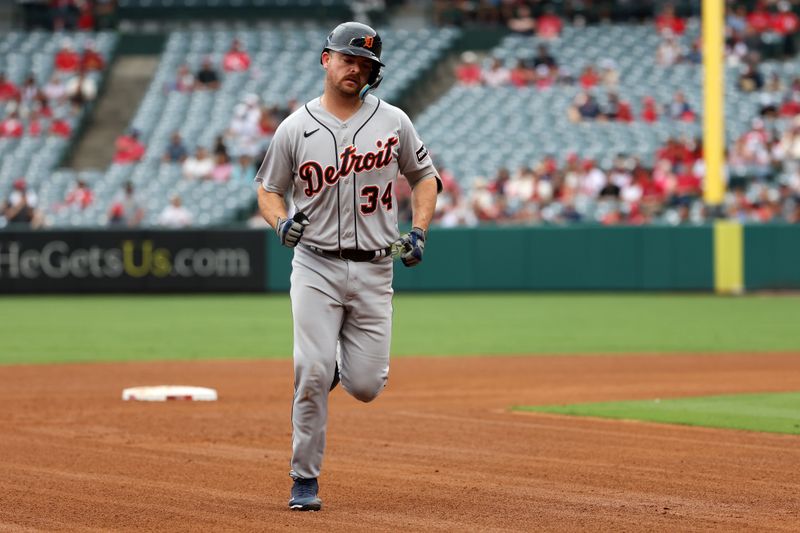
x=339 y=157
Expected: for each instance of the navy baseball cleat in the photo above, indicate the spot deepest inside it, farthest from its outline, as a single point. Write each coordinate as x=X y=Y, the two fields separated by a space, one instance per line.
x=304 y=495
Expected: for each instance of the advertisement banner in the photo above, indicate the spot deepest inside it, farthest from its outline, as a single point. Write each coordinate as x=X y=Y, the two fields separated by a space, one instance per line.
x=132 y=261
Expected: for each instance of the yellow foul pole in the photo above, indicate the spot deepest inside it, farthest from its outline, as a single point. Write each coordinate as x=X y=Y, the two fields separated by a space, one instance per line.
x=714 y=100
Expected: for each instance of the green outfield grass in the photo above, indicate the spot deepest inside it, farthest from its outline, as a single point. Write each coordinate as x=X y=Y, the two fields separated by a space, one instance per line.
x=773 y=413
x=100 y=328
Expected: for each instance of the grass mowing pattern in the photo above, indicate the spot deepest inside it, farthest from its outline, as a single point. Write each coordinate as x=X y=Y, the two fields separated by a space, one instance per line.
x=773 y=413
x=108 y=328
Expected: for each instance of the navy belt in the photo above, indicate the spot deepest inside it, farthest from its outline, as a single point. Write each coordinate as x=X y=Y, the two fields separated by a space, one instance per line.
x=359 y=256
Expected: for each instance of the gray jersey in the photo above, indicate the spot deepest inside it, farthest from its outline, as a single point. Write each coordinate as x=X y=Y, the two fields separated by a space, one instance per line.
x=342 y=174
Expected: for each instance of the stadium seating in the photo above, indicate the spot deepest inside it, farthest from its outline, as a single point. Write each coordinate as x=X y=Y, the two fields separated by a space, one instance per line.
x=22 y=54
x=201 y=116
x=533 y=122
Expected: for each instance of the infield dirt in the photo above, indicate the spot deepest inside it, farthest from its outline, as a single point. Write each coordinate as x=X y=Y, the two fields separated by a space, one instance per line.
x=438 y=450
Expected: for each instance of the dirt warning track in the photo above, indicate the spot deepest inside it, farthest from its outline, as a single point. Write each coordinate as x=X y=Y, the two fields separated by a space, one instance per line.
x=438 y=450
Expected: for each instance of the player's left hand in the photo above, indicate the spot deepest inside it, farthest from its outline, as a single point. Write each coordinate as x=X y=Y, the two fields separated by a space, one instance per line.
x=412 y=246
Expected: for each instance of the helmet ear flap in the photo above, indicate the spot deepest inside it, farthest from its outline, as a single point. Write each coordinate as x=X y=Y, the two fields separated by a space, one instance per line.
x=375 y=79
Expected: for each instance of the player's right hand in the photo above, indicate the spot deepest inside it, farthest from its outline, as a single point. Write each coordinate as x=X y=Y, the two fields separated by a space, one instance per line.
x=290 y=230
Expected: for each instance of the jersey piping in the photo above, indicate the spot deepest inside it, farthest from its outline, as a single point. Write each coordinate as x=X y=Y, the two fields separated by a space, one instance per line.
x=335 y=162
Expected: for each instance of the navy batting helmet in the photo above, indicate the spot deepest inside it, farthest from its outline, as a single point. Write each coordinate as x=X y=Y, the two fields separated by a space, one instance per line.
x=356 y=39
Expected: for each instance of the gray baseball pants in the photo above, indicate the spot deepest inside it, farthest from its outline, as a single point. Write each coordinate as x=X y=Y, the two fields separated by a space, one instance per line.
x=335 y=300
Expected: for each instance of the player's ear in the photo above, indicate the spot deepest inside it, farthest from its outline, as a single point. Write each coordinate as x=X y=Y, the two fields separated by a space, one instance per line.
x=325 y=59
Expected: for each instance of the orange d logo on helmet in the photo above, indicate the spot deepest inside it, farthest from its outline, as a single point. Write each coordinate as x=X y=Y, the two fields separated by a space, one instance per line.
x=368 y=41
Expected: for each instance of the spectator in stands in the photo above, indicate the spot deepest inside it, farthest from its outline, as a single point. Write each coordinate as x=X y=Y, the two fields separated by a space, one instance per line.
x=750 y=79
x=521 y=75
x=81 y=196
x=81 y=90
x=609 y=74
x=243 y=171
x=176 y=150
x=85 y=16
x=67 y=59
x=35 y=126
x=55 y=90
x=236 y=59
x=679 y=108
x=593 y=179
x=207 y=77
x=549 y=25
x=751 y=154
x=60 y=126
x=543 y=57
x=222 y=168
x=41 y=105
x=759 y=18
x=520 y=188
x=774 y=84
x=199 y=166
x=695 y=53
x=785 y=23
x=267 y=124
x=544 y=77
x=252 y=103
x=184 y=80
x=485 y=204
x=116 y=216
x=790 y=105
x=91 y=60
x=589 y=77
x=175 y=215
x=768 y=105
x=219 y=146
x=126 y=210
x=12 y=127
x=617 y=110
x=497 y=75
x=621 y=171
x=669 y=52
x=469 y=71
x=19 y=209
x=8 y=91
x=242 y=134
x=523 y=21
x=584 y=107
x=128 y=148
x=736 y=19
x=649 y=110
x=29 y=91
x=668 y=23
x=736 y=49
x=753 y=41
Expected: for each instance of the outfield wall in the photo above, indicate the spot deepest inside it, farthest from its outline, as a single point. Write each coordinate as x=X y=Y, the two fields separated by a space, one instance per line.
x=726 y=257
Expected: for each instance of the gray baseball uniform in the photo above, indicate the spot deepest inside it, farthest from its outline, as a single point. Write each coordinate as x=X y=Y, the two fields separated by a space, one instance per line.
x=342 y=175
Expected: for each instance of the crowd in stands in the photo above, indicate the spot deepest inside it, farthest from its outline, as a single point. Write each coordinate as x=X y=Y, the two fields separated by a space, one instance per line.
x=579 y=190
x=763 y=165
x=70 y=15
x=22 y=206
x=33 y=109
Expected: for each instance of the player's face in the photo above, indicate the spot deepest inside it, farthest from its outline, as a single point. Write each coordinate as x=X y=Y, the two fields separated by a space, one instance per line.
x=347 y=74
